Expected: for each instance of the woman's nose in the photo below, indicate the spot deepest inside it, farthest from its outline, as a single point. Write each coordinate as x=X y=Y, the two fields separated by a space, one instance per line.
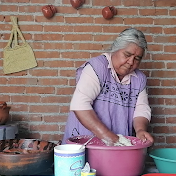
x=131 y=60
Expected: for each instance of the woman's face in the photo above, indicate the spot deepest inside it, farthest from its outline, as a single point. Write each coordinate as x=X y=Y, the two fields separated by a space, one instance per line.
x=127 y=60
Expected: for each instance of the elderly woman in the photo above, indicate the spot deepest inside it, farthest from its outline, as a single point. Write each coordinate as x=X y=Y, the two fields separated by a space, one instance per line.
x=110 y=96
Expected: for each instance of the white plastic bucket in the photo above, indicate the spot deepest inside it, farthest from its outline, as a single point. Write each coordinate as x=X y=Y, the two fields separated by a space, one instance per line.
x=69 y=159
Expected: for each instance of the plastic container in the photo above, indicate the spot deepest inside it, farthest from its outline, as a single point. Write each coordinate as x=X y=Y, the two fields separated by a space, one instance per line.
x=111 y=161
x=165 y=159
x=69 y=159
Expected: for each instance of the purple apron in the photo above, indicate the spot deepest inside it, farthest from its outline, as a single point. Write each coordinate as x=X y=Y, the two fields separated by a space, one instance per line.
x=114 y=105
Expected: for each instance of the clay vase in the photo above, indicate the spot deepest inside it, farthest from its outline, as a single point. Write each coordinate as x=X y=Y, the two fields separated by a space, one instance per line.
x=4 y=112
x=49 y=11
x=77 y=3
x=108 y=12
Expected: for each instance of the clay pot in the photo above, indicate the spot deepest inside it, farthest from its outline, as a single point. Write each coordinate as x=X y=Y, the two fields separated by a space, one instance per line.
x=25 y=156
x=49 y=11
x=108 y=12
x=4 y=112
x=77 y=3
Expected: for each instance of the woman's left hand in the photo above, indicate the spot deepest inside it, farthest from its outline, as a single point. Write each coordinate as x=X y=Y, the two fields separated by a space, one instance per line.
x=144 y=136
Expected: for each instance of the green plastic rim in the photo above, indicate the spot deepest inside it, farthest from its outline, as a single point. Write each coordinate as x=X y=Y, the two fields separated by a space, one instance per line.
x=159 y=158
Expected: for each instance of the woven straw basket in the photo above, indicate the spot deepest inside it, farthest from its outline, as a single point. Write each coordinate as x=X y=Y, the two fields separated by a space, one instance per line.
x=17 y=57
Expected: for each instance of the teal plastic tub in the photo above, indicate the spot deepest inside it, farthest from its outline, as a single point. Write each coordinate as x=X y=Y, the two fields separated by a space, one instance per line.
x=165 y=159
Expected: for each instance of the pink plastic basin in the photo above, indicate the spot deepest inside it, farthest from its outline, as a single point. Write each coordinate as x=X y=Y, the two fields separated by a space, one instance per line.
x=116 y=160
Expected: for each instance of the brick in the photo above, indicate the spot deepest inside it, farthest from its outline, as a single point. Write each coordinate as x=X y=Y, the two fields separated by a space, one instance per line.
x=72 y=82
x=53 y=81
x=85 y=28
x=26 y=98
x=164 y=56
x=165 y=21
x=171 y=120
x=52 y=137
x=16 y=1
x=171 y=139
x=40 y=90
x=114 y=20
x=168 y=82
x=61 y=46
x=78 y=20
x=161 y=129
x=47 y=54
x=44 y=127
x=87 y=46
x=44 y=109
x=11 y=8
x=43 y=72
x=165 y=74
x=158 y=120
x=19 y=108
x=66 y=9
x=152 y=30
x=115 y=29
x=39 y=37
x=54 y=28
x=90 y=11
x=165 y=3
x=137 y=3
x=153 y=12
x=31 y=27
x=160 y=139
x=127 y=11
x=128 y=21
x=164 y=39
x=156 y=101
x=65 y=91
x=75 y=55
x=5 y=98
x=67 y=73
x=54 y=19
x=53 y=119
x=30 y=9
x=170 y=48
x=169 y=30
x=106 y=3
x=76 y=37
x=56 y=99
x=42 y=1
x=155 y=47
x=12 y=89
x=152 y=65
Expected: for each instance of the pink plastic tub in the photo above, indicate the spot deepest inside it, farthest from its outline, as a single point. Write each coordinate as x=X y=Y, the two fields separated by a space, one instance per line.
x=114 y=161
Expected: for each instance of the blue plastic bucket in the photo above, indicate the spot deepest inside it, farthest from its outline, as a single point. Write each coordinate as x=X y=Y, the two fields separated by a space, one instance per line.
x=69 y=159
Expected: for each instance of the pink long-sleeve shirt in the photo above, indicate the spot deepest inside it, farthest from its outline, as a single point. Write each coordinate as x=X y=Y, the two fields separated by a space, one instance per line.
x=88 y=88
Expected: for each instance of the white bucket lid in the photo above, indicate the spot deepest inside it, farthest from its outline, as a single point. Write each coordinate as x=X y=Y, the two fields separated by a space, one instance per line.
x=69 y=148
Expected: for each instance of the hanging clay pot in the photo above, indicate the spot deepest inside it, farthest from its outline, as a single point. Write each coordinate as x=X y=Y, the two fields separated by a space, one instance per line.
x=4 y=112
x=77 y=3
x=108 y=12
x=49 y=11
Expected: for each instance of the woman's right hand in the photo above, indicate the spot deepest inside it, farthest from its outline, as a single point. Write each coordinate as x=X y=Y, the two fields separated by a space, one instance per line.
x=89 y=119
x=110 y=139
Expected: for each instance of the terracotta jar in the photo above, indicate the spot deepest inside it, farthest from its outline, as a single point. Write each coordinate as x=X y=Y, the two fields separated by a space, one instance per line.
x=4 y=112
x=77 y=3
x=108 y=12
x=49 y=11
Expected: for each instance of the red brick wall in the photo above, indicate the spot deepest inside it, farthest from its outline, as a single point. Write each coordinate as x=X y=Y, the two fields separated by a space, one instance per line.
x=39 y=97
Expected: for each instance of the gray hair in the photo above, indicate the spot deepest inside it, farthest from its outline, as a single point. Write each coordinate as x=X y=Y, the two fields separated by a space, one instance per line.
x=128 y=36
